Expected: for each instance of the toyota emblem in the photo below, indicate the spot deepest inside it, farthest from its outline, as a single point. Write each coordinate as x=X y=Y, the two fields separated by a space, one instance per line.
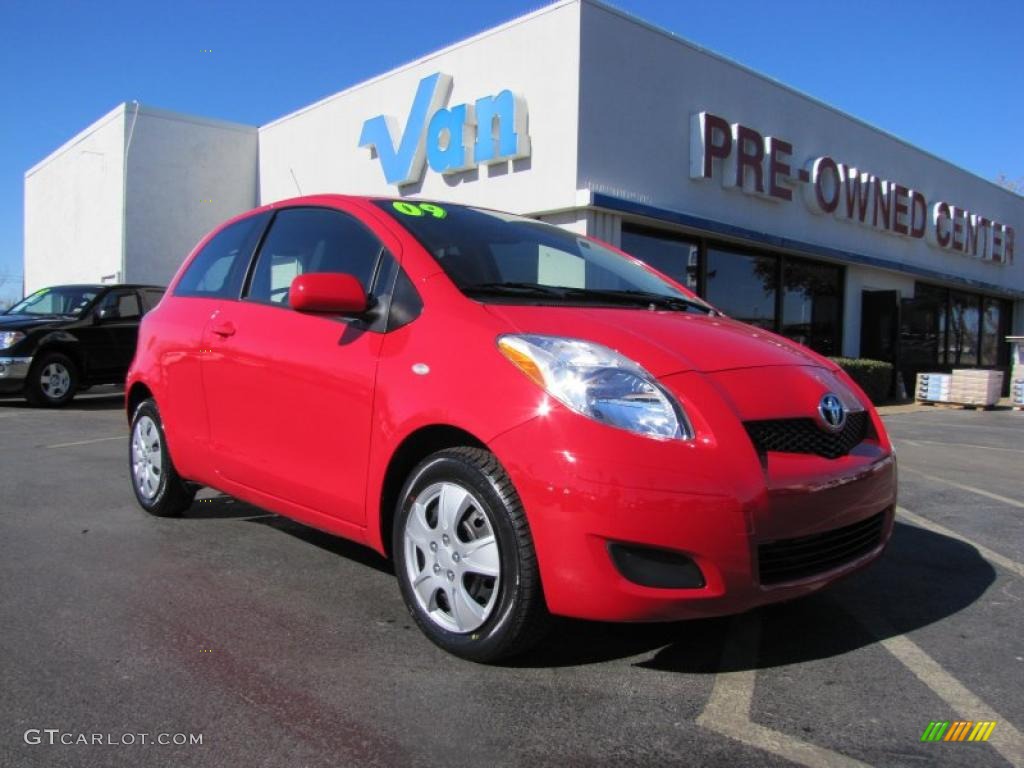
x=832 y=412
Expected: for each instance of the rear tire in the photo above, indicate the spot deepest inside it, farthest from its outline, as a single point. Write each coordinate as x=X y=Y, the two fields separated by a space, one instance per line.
x=52 y=380
x=158 y=487
x=465 y=559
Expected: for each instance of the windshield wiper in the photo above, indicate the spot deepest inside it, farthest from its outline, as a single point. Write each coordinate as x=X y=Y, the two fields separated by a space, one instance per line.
x=517 y=289
x=648 y=297
x=601 y=295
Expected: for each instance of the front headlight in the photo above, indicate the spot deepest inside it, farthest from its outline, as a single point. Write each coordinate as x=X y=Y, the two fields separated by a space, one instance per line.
x=9 y=338
x=599 y=383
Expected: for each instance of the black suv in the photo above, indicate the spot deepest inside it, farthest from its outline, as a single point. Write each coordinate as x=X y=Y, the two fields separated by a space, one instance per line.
x=64 y=339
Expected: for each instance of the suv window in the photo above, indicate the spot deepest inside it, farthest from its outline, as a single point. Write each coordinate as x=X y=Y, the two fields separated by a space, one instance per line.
x=150 y=298
x=305 y=240
x=218 y=269
x=125 y=305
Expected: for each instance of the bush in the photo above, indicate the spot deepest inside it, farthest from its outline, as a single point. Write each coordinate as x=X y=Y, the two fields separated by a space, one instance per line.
x=873 y=376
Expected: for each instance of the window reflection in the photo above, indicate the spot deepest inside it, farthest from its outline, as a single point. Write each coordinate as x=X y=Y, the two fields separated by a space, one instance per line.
x=674 y=256
x=743 y=286
x=810 y=305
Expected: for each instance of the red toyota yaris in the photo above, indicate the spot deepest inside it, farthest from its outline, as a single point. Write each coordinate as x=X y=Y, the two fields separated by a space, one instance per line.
x=529 y=422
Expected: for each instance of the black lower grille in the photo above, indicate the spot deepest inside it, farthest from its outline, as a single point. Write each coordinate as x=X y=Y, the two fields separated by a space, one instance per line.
x=794 y=559
x=805 y=436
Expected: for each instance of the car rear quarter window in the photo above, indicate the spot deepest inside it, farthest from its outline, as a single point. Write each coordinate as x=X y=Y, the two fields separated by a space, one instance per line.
x=218 y=269
x=303 y=240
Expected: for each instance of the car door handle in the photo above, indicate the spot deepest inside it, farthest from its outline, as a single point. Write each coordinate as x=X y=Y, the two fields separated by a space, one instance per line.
x=224 y=329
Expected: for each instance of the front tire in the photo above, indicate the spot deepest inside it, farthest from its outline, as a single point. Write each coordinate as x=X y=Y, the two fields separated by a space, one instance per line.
x=158 y=487
x=52 y=381
x=465 y=559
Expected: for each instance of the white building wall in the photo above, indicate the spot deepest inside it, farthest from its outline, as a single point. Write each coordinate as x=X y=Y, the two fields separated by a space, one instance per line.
x=639 y=88
x=73 y=205
x=536 y=57
x=185 y=176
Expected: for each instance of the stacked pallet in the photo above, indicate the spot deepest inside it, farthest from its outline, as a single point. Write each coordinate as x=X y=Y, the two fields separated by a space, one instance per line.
x=972 y=386
x=934 y=387
x=965 y=386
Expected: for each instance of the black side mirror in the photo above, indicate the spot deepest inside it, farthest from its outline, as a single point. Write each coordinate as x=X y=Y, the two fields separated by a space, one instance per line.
x=108 y=313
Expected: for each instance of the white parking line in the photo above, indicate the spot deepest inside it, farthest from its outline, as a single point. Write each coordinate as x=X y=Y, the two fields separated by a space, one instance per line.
x=1008 y=741
x=86 y=442
x=958 y=445
x=985 y=552
x=728 y=710
x=971 y=488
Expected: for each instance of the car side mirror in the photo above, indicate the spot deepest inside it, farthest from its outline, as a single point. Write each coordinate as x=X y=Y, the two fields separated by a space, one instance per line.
x=105 y=314
x=329 y=293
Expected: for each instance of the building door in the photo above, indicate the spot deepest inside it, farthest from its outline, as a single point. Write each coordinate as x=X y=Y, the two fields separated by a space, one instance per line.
x=880 y=325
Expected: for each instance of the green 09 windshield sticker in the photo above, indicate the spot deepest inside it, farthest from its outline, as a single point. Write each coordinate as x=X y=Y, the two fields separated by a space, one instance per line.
x=419 y=209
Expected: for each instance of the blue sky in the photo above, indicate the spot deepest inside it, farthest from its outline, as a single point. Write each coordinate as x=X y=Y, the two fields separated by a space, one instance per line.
x=943 y=75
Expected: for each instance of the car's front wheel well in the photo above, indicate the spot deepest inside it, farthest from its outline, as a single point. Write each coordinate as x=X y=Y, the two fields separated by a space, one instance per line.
x=416 y=447
x=136 y=395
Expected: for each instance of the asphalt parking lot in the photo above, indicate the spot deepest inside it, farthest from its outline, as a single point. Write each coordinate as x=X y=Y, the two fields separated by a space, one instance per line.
x=282 y=646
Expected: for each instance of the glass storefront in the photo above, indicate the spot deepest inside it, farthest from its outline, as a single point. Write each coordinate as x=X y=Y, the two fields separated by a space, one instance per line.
x=942 y=329
x=938 y=329
x=677 y=257
x=799 y=298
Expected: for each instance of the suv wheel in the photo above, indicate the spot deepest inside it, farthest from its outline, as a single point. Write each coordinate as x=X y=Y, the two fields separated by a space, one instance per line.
x=52 y=380
x=465 y=559
x=158 y=487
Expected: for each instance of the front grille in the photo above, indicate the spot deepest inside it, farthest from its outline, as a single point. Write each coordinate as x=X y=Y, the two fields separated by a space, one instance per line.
x=805 y=436
x=795 y=559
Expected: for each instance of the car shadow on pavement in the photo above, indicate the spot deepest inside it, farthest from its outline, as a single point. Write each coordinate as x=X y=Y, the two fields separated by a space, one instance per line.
x=924 y=577
x=219 y=506
x=100 y=401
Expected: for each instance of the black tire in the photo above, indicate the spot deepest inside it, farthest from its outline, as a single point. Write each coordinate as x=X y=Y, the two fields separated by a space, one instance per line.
x=40 y=384
x=518 y=617
x=169 y=495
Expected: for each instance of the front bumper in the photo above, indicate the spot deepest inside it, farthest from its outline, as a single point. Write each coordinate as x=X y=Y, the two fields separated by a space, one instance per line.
x=586 y=486
x=13 y=371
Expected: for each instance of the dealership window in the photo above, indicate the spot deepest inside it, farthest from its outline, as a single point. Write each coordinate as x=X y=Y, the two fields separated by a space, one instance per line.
x=945 y=329
x=743 y=286
x=964 y=321
x=811 y=304
x=923 y=327
x=670 y=254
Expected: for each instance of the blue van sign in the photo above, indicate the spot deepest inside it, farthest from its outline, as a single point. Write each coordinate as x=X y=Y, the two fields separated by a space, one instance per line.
x=448 y=139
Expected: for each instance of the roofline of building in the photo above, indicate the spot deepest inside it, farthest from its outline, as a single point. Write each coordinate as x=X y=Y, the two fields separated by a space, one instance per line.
x=79 y=137
x=428 y=57
x=625 y=15
x=120 y=111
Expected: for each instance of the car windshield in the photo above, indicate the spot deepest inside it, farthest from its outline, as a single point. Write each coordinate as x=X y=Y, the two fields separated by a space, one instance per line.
x=67 y=300
x=498 y=257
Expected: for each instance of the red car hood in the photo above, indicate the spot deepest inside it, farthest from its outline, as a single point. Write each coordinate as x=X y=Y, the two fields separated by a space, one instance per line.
x=662 y=342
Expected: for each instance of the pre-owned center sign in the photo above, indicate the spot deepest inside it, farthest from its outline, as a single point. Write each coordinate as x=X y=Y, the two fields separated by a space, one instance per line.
x=761 y=165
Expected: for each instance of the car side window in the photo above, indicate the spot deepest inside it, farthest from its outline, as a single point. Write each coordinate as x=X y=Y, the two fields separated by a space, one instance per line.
x=305 y=240
x=121 y=305
x=218 y=269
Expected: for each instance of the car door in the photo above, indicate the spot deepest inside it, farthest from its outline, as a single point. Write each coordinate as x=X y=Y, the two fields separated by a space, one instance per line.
x=213 y=276
x=290 y=394
x=118 y=315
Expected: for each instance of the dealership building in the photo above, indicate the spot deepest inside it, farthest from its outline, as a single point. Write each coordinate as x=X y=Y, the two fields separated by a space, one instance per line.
x=778 y=208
